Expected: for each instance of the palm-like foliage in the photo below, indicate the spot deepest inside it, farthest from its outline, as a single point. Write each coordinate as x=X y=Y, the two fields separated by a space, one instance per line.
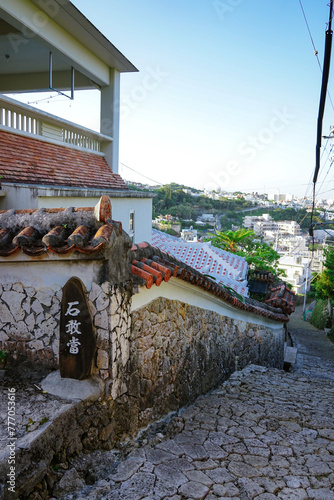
x=232 y=241
x=244 y=242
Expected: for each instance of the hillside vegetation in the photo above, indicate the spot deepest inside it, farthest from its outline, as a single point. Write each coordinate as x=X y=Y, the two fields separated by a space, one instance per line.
x=173 y=199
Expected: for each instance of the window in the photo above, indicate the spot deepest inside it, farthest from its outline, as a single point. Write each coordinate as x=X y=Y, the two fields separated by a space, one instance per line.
x=132 y=224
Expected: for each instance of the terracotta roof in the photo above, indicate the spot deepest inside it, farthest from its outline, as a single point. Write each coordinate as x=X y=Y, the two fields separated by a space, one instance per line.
x=226 y=268
x=61 y=231
x=145 y=260
x=282 y=297
x=31 y=161
x=89 y=230
x=261 y=281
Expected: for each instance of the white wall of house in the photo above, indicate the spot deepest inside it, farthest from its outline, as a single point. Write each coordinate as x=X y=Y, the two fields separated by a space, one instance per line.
x=53 y=272
x=17 y=197
x=20 y=197
x=121 y=209
x=142 y=210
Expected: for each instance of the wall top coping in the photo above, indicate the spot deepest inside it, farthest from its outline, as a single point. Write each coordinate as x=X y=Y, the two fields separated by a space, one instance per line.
x=150 y=267
x=36 y=232
x=90 y=232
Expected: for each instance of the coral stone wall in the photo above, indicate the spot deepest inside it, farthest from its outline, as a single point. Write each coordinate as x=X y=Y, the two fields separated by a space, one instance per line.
x=29 y=324
x=179 y=351
x=152 y=361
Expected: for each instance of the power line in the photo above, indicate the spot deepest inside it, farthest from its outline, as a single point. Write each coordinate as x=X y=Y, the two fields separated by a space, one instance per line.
x=328 y=190
x=309 y=32
x=47 y=99
x=309 y=185
x=313 y=45
x=142 y=175
x=328 y=156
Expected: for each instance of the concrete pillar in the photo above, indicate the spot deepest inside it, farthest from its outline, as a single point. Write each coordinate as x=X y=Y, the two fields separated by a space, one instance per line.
x=110 y=108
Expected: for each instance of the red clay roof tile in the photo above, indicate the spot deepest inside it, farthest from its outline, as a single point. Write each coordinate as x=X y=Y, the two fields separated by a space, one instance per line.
x=29 y=160
x=148 y=264
x=148 y=255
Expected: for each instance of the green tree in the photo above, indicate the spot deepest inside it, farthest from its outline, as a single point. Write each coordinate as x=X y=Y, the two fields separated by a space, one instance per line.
x=243 y=242
x=324 y=285
x=232 y=241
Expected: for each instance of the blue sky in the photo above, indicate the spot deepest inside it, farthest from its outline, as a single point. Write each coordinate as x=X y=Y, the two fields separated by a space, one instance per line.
x=233 y=95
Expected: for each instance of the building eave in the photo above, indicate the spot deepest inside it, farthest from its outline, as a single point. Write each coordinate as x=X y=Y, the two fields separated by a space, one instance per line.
x=69 y=17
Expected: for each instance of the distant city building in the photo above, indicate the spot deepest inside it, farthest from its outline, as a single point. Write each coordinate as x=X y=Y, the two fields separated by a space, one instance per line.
x=289 y=227
x=261 y=225
x=277 y=196
x=189 y=235
x=207 y=218
x=164 y=222
x=298 y=272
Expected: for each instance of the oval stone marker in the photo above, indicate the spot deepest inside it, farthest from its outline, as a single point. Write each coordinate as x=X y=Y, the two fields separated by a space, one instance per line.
x=77 y=338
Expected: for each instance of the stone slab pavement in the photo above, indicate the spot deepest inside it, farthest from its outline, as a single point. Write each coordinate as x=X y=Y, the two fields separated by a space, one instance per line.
x=264 y=434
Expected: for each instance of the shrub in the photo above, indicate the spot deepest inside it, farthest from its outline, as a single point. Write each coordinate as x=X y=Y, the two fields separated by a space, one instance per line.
x=320 y=316
x=330 y=334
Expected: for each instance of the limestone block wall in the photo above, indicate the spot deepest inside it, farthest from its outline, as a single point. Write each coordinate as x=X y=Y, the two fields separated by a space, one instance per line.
x=29 y=325
x=179 y=351
x=152 y=361
x=29 y=322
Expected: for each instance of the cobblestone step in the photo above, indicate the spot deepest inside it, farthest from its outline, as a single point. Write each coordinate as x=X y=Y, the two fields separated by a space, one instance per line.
x=263 y=434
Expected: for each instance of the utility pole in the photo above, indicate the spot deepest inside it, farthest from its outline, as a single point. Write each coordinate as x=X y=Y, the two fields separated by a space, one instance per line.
x=305 y=285
x=324 y=84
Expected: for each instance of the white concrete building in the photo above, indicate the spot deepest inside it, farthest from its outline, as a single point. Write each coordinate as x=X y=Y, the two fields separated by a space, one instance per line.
x=277 y=196
x=189 y=235
x=249 y=221
x=298 y=272
x=289 y=227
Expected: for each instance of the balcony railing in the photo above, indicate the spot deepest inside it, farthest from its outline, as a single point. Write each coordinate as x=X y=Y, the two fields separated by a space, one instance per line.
x=16 y=116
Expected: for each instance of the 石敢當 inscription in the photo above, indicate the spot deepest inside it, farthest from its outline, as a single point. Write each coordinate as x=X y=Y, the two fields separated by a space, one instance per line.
x=77 y=338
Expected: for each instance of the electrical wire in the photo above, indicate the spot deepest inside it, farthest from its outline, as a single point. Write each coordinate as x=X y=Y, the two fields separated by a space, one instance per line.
x=328 y=190
x=48 y=99
x=309 y=185
x=314 y=47
x=309 y=32
x=142 y=175
x=331 y=163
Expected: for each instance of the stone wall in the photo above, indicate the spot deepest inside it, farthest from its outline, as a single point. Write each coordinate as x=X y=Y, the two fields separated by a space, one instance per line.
x=152 y=361
x=29 y=325
x=179 y=351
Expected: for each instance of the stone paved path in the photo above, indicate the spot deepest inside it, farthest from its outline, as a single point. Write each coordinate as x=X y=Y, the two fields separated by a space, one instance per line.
x=263 y=434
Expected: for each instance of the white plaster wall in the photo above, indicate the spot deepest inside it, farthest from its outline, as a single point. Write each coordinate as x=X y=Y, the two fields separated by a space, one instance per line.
x=176 y=289
x=121 y=208
x=143 y=216
x=17 y=197
x=39 y=274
